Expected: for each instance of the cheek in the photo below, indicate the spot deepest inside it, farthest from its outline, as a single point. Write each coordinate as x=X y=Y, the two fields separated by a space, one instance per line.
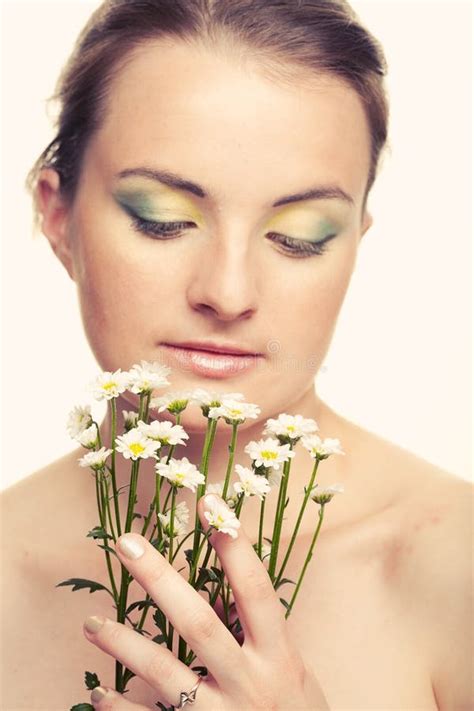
x=124 y=297
x=314 y=300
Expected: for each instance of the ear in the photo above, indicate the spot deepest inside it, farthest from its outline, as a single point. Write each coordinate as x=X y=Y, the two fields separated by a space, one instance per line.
x=54 y=217
x=367 y=222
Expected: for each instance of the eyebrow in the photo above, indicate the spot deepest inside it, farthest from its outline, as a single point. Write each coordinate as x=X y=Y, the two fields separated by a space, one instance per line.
x=322 y=192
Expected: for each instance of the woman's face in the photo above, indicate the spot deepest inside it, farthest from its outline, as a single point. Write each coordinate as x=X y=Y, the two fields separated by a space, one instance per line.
x=228 y=275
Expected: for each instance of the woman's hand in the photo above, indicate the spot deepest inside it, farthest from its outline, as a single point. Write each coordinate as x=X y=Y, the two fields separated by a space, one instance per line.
x=266 y=672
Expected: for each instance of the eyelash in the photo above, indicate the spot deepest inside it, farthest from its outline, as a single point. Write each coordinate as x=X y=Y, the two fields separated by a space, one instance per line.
x=169 y=230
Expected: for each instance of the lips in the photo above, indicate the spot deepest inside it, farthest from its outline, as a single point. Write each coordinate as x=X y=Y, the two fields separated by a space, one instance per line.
x=212 y=364
x=214 y=347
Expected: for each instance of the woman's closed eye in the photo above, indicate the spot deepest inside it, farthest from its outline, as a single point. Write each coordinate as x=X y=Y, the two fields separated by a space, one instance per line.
x=169 y=230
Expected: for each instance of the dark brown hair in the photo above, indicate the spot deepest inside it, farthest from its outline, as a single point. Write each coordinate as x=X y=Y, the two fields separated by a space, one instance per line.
x=312 y=37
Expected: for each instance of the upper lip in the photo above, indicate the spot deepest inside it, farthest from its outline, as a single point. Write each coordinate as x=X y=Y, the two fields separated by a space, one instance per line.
x=214 y=347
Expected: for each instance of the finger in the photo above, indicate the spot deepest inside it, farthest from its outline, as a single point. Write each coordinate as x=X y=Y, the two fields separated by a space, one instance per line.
x=190 y=614
x=260 y=611
x=104 y=699
x=152 y=662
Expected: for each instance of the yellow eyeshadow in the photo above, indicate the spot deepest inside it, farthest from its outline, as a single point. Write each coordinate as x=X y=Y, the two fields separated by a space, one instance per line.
x=302 y=222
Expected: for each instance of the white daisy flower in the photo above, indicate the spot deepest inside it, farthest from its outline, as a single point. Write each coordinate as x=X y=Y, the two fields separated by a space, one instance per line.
x=181 y=518
x=130 y=419
x=88 y=438
x=79 y=419
x=321 y=449
x=175 y=402
x=269 y=452
x=290 y=427
x=146 y=377
x=181 y=472
x=221 y=517
x=321 y=495
x=218 y=488
x=163 y=431
x=274 y=476
x=250 y=484
x=95 y=460
x=135 y=445
x=234 y=411
x=207 y=399
x=109 y=385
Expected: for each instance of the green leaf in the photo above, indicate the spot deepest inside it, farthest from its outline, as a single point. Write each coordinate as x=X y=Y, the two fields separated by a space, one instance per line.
x=140 y=604
x=160 y=620
x=83 y=584
x=92 y=680
x=283 y=581
x=98 y=532
x=109 y=549
x=206 y=575
x=160 y=544
x=82 y=707
x=160 y=639
x=285 y=603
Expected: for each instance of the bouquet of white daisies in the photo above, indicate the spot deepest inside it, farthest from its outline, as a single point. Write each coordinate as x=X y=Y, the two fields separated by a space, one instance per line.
x=166 y=524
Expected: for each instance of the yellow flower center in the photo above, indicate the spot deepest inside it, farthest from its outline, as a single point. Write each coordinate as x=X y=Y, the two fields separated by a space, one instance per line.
x=110 y=385
x=136 y=448
x=267 y=454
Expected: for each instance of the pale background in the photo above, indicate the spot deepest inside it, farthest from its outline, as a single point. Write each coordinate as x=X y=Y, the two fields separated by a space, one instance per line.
x=400 y=361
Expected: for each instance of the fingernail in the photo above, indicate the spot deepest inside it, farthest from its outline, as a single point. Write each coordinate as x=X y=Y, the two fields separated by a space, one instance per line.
x=94 y=623
x=98 y=694
x=130 y=547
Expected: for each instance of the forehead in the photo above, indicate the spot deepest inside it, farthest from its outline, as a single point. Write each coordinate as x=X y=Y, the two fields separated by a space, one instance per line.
x=229 y=127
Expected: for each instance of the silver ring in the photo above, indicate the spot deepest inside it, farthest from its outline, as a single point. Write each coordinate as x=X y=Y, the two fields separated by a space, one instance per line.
x=190 y=696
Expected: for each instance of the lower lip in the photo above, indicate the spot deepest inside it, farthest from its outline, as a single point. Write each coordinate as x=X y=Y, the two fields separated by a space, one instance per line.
x=212 y=365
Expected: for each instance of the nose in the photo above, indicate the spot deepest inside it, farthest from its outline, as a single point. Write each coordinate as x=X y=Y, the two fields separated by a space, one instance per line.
x=224 y=283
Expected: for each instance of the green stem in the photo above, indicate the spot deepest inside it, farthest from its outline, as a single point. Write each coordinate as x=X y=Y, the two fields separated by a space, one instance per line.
x=260 y=527
x=113 y=409
x=298 y=522
x=210 y=433
x=173 y=500
x=198 y=554
x=279 y=518
x=308 y=558
x=231 y=459
x=103 y=522
x=239 y=504
x=107 y=506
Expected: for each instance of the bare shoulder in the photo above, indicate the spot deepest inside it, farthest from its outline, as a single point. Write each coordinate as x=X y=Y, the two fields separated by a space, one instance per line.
x=428 y=562
x=436 y=580
x=49 y=490
x=34 y=511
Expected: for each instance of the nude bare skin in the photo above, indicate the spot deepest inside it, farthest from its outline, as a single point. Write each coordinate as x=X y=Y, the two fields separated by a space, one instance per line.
x=395 y=547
